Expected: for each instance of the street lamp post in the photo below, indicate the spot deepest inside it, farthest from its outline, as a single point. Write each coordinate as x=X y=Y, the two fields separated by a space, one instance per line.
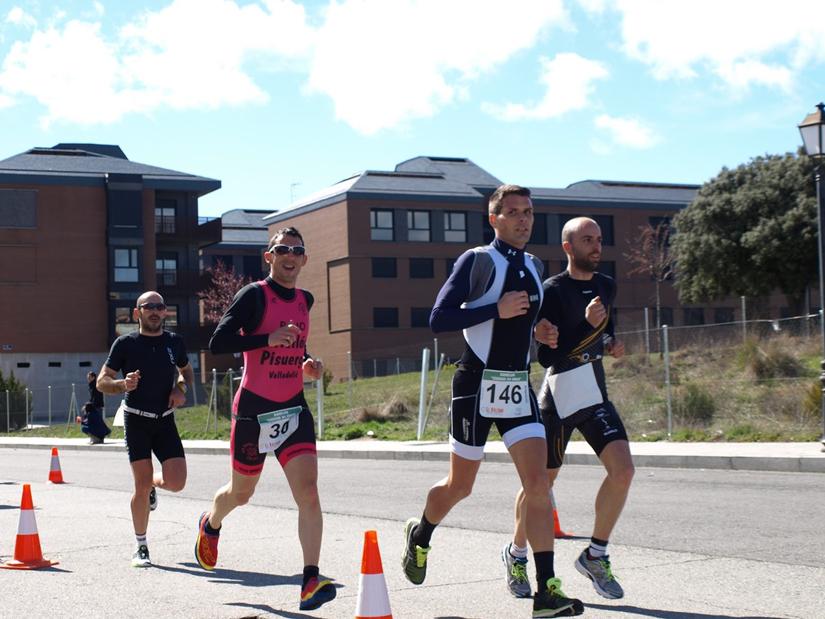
x=812 y=130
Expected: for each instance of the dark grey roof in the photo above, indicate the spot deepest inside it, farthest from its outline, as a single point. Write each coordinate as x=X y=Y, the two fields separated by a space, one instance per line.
x=109 y=150
x=75 y=166
x=455 y=179
x=244 y=218
x=457 y=169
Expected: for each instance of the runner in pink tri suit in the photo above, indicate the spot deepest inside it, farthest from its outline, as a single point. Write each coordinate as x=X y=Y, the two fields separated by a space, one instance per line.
x=269 y=322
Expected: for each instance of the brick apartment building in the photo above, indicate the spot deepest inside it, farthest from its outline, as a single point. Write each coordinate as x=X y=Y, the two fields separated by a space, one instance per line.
x=83 y=231
x=381 y=243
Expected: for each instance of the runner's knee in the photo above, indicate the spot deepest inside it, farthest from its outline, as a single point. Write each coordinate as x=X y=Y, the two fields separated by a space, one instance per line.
x=622 y=475
x=536 y=485
x=242 y=496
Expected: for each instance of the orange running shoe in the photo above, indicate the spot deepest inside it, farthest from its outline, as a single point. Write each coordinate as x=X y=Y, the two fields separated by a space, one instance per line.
x=206 y=547
x=316 y=592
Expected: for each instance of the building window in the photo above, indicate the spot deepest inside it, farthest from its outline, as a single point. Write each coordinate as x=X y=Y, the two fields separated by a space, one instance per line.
x=171 y=316
x=539 y=235
x=694 y=316
x=126 y=265
x=253 y=267
x=665 y=316
x=166 y=268
x=384 y=267
x=18 y=208
x=418 y=226
x=455 y=227
x=385 y=317
x=124 y=323
x=722 y=314
x=85 y=364
x=608 y=267
x=165 y=213
x=420 y=317
x=421 y=268
x=55 y=364
x=381 y=225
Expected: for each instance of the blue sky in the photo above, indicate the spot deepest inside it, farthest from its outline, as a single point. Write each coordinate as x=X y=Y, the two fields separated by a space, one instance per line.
x=279 y=99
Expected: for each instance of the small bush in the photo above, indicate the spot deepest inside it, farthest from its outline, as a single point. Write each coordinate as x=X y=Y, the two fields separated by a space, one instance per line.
x=812 y=401
x=695 y=404
x=327 y=380
x=393 y=410
x=769 y=361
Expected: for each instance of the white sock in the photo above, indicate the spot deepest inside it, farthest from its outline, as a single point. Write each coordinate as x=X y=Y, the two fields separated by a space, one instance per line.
x=596 y=550
x=141 y=540
x=517 y=551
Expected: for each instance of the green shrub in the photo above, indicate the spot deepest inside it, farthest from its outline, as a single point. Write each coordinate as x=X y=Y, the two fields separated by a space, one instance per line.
x=694 y=404
x=812 y=401
x=327 y=379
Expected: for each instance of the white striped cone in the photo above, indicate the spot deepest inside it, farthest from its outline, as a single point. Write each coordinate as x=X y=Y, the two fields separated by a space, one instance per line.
x=27 y=553
x=373 y=598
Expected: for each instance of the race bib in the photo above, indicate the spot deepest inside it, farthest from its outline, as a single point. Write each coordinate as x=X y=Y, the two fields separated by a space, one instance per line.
x=276 y=427
x=504 y=395
x=574 y=389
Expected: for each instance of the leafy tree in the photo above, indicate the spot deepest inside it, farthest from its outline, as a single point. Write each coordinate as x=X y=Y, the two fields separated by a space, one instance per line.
x=750 y=231
x=650 y=255
x=218 y=296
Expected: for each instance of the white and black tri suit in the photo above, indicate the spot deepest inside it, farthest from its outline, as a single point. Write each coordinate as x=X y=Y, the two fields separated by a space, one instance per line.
x=491 y=384
x=573 y=394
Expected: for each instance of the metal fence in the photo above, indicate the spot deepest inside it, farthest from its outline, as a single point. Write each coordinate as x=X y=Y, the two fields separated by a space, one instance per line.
x=671 y=378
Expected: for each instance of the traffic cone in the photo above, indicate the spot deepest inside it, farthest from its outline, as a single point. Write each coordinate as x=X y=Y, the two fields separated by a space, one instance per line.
x=27 y=553
x=373 y=598
x=558 y=533
x=55 y=474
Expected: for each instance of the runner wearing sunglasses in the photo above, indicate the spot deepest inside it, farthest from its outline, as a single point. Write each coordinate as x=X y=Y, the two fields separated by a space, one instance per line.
x=269 y=322
x=156 y=373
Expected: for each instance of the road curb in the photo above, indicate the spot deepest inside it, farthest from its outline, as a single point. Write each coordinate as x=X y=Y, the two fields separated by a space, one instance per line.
x=440 y=452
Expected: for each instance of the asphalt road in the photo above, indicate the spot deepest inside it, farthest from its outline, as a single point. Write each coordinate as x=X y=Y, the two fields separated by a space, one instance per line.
x=694 y=544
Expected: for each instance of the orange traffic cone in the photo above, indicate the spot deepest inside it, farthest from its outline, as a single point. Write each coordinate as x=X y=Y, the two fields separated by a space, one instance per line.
x=373 y=598
x=55 y=474
x=558 y=533
x=27 y=553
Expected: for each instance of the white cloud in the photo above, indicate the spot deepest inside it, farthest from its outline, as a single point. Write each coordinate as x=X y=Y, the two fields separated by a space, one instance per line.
x=628 y=132
x=593 y=6
x=735 y=39
x=383 y=63
x=5 y=101
x=188 y=55
x=99 y=8
x=568 y=79
x=19 y=17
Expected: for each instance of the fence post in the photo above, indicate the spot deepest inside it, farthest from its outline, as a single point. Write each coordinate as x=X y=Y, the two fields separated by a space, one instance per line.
x=374 y=368
x=435 y=353
x=194 y=390
x=397 y=365
x=319 y=409
x=8 y=412
x=744 y=319
x=422 y=394
x=666 y=347
x=349 y=381
x=28 y=419
x=647 y=330
x=50 y=405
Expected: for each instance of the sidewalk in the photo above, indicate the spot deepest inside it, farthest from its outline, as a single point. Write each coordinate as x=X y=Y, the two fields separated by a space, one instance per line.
x=786 y=457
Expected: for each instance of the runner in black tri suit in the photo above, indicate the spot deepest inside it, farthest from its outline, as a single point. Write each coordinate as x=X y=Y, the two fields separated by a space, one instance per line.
x=574 y=392
x=269 y=322
x=156 y=373
x=493 y=295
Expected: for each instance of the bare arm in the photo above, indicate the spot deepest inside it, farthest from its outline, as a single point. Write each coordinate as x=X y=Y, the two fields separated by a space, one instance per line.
x=110 y=384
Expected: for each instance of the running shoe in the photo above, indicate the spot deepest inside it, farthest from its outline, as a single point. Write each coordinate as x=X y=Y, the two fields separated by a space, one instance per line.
x=153 y=499
x=601 y=575
x=414 y=559
x=141 y=557
x=551 y=602
x=206 y=546
x=316 y=592
x=516 y=577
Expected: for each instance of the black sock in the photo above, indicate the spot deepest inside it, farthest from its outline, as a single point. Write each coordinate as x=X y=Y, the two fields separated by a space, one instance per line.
x=310 y=571
x=423 y=532
x=544 y=568
x=209 y=530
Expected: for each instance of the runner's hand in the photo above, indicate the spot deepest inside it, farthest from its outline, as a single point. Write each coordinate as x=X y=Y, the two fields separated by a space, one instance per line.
x=513 y=303
x=176 y=398
x=313 y=368
x=614 y=348
x=130 y=383
x=595 y=312
x=546 y=333
x=285 y=336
